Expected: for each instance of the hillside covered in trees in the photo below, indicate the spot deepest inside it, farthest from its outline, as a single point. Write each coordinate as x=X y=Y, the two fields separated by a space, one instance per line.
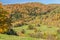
x=34 y=13
x=33 y=18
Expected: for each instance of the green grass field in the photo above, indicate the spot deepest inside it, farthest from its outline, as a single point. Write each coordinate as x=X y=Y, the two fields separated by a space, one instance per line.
x=42 y=28
x=11 y=37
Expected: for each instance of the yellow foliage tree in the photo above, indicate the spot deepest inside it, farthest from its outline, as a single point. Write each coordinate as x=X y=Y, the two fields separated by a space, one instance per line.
x=4 y=20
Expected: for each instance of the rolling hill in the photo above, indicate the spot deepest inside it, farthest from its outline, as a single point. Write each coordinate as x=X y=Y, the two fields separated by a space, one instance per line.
x=28 y=12
x=34 y=20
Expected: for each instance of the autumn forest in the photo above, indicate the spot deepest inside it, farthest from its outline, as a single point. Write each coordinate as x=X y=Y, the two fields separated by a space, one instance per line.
x=35 y=20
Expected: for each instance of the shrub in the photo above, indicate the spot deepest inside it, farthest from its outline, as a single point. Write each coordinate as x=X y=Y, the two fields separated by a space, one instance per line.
x=23 y=31
x=58 y=31
x=51 y=37
x=11 y=32
x=38 y=25
x=31 y=27
x=36 y=35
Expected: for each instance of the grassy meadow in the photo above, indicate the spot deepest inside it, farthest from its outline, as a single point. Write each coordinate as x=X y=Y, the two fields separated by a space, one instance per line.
x=29 y=33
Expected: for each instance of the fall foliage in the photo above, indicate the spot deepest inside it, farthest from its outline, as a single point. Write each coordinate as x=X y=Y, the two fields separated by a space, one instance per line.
x=30 y=13
x=4 y=20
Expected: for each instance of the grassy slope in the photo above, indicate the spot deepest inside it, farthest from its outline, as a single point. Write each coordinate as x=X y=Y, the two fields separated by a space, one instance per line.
x=11 y=37
x=42 y=28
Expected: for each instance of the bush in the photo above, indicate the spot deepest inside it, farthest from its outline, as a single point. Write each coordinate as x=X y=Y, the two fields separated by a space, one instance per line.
x=31 y=27
x=36 y=35
x=11 y=32
x=51 y=37
x=58 y=31
x=23 y=31
x=38 y=25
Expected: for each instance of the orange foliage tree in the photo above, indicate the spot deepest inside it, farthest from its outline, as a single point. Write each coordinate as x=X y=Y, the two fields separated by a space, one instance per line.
x=4 y=20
